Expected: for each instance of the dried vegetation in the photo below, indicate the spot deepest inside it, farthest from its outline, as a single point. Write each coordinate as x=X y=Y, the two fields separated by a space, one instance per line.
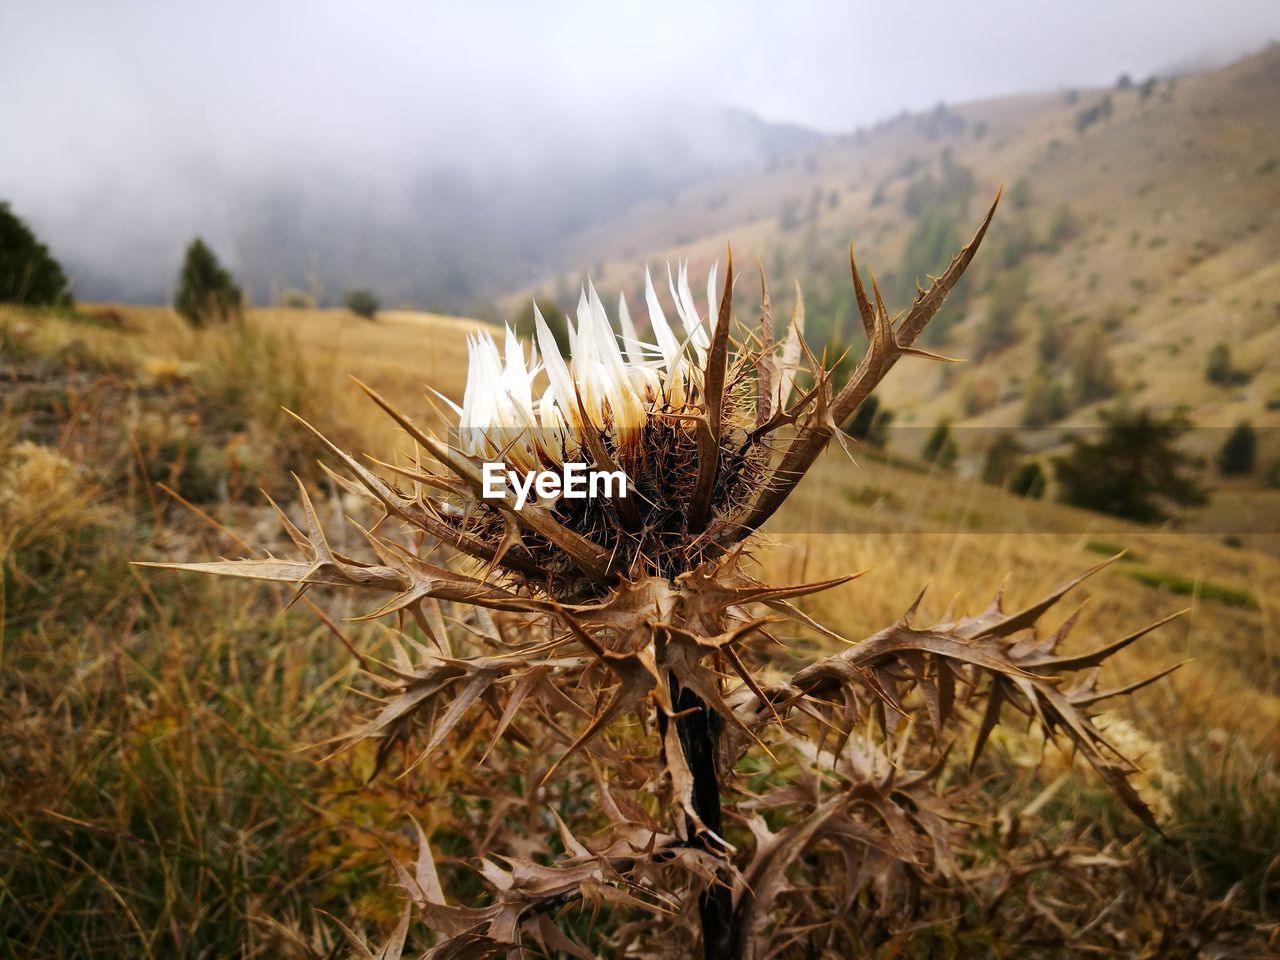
x=603 y=699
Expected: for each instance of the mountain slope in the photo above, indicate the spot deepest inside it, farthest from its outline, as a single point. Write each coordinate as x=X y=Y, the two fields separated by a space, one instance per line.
x=1151 y=214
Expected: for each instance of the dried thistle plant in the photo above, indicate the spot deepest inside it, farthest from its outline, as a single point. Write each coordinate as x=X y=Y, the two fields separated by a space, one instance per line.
x=610 y=674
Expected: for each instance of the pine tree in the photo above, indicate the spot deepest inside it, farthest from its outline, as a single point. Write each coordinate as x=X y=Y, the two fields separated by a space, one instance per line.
x=999 y=329
x=1092 y=375
x=363 y=303
x=940 y=448
x=1133 y=470
x=1221 y=371
x=1044 y=401
x=870 y=423
x=1028 y=481
x=1001 y=459
x=1239 y=451
x=207 y=293
x=28 y=274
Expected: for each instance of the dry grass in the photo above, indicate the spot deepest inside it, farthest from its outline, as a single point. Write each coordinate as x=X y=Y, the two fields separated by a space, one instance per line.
x=1231 y=684
x=154 y=800
x=402 y=353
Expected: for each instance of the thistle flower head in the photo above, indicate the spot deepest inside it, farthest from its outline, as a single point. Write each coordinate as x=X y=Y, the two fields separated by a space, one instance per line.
x=639 y=405
x=614 y=384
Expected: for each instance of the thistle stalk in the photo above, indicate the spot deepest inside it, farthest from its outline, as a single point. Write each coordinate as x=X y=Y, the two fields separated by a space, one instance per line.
x=699 y=729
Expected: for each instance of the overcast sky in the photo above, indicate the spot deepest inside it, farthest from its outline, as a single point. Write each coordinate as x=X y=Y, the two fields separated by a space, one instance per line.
x=150 y=106
x=97 y=81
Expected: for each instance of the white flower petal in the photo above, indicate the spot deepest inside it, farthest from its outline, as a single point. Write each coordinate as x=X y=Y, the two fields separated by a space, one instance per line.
x=667 y=341
x=561 y=383
x=630 y=341
x=789 y=361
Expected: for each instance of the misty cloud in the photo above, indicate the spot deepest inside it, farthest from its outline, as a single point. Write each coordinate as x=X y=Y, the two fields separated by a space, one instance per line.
x=375 y=131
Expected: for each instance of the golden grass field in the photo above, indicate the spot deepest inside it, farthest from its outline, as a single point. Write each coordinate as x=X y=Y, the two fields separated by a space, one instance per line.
x=153 y=784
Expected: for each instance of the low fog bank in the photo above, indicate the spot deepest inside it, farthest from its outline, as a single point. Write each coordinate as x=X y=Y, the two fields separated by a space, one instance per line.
x=413 y=228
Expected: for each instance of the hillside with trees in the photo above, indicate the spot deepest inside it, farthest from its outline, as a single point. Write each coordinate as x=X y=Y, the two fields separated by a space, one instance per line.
x=1135 y=255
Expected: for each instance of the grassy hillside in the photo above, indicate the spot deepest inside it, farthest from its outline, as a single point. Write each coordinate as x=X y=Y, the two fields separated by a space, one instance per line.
x=1138 y=230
